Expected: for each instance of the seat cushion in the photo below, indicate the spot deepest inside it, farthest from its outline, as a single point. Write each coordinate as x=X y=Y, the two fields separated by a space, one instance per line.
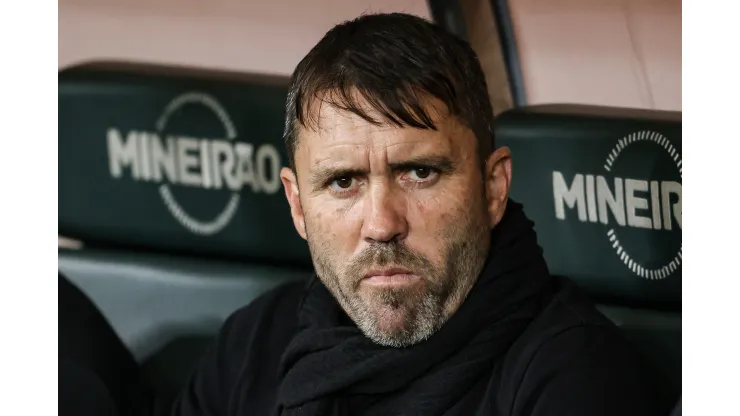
x=151 y=299
x=167 y=309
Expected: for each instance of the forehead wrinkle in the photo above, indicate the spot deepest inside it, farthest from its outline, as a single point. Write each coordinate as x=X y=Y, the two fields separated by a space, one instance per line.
x=318 y=163
x=344 y=129
x=389 y=148
x=327 y=115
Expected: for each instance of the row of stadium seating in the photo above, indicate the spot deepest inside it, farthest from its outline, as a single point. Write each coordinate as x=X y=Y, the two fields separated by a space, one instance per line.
x=171 y=184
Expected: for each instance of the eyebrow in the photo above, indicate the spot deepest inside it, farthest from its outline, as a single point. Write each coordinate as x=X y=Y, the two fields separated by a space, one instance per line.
x=442 y=163
x=320 y=176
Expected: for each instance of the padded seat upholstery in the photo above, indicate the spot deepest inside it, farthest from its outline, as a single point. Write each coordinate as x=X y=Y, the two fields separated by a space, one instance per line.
x=171 y=183
x=166 y=309
x=603 y=186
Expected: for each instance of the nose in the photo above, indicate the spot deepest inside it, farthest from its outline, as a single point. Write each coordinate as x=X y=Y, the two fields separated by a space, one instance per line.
x=385 y=215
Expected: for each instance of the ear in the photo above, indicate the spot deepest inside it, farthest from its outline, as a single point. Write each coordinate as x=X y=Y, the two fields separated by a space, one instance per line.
x=290 y=184
x=497 y=181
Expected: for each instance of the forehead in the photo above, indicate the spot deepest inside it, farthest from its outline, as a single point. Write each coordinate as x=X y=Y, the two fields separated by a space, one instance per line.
x=343 y=135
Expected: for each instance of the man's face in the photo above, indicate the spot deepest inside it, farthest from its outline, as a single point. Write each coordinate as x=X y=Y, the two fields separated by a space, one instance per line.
x=397 y=219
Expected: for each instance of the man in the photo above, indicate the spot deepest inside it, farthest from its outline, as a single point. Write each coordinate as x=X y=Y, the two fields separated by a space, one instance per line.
x=431 y=294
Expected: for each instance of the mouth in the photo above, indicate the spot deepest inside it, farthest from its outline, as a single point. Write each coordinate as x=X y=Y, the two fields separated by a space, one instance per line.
x=390 y=277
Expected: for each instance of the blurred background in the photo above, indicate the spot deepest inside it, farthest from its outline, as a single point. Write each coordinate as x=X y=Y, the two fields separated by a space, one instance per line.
x=610 y=52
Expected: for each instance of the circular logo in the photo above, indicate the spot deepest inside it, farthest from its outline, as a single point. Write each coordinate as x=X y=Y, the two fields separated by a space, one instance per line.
x=668 y=267
x=222 y=219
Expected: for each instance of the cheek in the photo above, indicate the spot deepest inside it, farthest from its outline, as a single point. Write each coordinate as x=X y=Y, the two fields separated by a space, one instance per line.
x=439 y=210
x=433 y=220
x=334 y=226
x=447 y=213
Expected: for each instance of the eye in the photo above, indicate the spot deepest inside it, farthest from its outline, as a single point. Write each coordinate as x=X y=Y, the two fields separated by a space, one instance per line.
x=342 y=183
x=421 y=174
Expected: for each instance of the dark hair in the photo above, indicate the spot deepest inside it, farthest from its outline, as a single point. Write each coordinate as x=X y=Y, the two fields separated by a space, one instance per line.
x=391 y=61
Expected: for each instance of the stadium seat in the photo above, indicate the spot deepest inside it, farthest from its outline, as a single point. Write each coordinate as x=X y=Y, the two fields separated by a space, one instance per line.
x=171 y=183
x=603 y=186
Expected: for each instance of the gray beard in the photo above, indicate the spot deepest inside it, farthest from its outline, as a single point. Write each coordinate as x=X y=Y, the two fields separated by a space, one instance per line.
x=424 y=311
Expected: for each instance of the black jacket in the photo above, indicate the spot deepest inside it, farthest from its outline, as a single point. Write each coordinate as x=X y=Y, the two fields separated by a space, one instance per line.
x=570 y=360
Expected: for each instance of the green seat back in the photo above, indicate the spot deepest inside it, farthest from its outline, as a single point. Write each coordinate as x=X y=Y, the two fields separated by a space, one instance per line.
x=603 y=186
x=175 y=164
x=171 y=183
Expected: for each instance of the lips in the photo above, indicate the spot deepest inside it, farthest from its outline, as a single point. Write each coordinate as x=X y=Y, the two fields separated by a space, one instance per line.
x=390 y=277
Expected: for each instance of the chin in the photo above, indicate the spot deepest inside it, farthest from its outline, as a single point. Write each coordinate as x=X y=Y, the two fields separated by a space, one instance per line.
x=392 y=321
x=398 y=317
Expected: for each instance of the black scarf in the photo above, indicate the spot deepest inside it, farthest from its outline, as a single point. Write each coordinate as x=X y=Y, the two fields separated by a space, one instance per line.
x=330 y=367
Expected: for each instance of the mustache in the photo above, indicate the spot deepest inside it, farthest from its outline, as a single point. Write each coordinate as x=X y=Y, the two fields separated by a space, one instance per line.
x=387 y=254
